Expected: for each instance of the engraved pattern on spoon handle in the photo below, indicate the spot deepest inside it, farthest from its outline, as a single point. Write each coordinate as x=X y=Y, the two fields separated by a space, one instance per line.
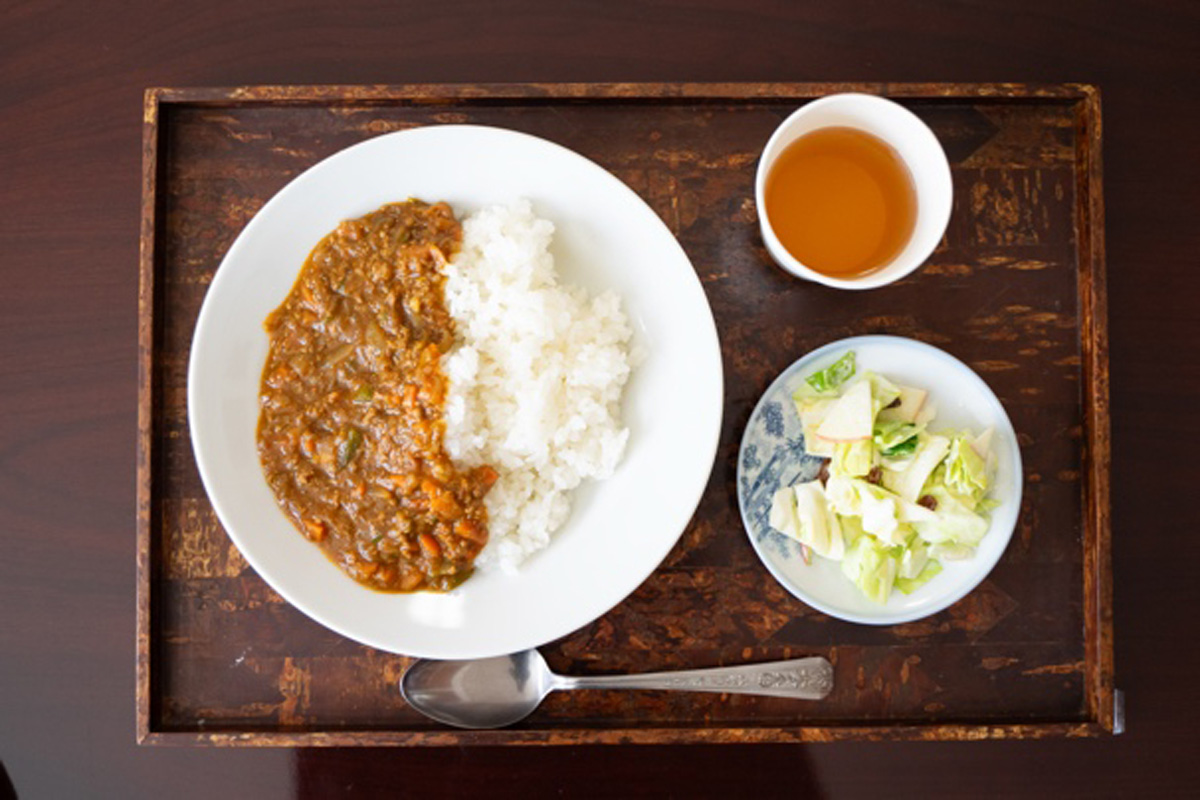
x=802 y=678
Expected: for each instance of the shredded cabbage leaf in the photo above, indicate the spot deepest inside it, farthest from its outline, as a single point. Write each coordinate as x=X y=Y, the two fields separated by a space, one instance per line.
x=965 y=471
x=872 y=567
x=895 y=438
x=833 y=376
x=853 y=458
x=910 y=585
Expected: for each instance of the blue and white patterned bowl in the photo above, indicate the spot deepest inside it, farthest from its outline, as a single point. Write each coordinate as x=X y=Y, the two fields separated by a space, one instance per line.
x=772 y=455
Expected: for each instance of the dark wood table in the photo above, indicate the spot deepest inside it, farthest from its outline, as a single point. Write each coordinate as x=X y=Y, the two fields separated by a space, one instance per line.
x=71 y=83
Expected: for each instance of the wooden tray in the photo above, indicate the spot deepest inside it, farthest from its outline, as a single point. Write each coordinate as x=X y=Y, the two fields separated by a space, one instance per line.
x=1016 y=290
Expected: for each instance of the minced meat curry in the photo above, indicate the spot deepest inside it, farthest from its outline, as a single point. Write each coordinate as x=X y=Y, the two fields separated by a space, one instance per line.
x=350 y=432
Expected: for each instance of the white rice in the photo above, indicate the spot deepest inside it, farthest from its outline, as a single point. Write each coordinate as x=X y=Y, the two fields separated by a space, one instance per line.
x=535 y=378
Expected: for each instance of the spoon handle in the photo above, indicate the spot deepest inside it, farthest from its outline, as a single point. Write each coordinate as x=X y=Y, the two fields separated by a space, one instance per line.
x=801 y=678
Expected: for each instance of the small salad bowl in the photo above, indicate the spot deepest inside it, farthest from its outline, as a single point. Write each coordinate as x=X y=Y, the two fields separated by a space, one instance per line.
x=773 y=456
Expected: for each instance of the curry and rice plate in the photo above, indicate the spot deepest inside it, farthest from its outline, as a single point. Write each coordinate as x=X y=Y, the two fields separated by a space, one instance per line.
x=432 y=394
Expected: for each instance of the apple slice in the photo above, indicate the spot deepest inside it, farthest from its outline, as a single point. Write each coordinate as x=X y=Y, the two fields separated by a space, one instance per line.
x=852 y=417
x=982 y=444
x=911 y=401
x=817 y=446
x=926 y=414
x=812 y=411
x=782 y=516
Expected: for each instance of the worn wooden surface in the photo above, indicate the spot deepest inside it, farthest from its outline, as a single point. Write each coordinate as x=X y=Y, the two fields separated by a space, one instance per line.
x=71 y=86
x=226 y=661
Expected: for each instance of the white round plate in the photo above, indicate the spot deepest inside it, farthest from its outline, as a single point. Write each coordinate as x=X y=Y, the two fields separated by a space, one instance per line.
x=606 y=237
x=772 y=455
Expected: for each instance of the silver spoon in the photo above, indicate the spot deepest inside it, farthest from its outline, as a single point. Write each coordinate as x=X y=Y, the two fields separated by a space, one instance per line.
x=494 y=692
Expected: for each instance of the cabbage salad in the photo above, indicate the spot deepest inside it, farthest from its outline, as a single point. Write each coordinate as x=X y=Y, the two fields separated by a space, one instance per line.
x=895 y=499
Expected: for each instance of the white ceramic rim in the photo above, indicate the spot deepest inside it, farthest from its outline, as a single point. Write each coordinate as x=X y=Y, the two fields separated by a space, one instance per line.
x=934 y=177
x=703 y=355
x=985 y=567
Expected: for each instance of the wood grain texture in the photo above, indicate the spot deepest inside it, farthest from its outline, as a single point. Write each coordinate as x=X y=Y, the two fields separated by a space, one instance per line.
x=1098 y=447
x=225 y=661
x=147 y=316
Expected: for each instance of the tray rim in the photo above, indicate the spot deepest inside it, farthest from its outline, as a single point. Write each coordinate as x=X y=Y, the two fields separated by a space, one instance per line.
x=525 y=737
x=1093 y=323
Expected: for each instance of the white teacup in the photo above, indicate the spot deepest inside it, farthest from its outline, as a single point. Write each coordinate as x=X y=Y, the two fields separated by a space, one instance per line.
x=917 y=147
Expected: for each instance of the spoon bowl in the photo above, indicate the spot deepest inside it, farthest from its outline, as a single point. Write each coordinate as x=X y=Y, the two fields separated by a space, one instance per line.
x=480 y=693
x=500 y=691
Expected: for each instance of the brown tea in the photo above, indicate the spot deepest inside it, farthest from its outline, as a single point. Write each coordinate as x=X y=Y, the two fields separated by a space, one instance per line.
x=841 y=201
